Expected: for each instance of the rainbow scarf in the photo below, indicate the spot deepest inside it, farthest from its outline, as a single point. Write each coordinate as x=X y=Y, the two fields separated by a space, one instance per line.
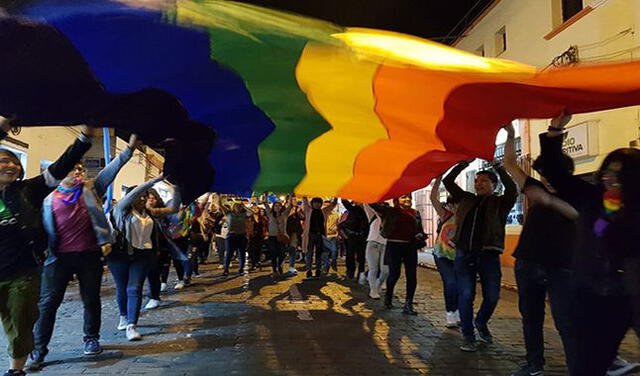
x=612 y=203
x=305 y=106
x=68 y=195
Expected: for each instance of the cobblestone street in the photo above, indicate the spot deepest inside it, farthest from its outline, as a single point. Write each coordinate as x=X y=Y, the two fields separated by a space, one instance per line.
x=255 y=325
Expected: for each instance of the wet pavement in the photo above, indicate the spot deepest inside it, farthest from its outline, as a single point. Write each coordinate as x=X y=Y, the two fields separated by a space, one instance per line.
x=258 y=325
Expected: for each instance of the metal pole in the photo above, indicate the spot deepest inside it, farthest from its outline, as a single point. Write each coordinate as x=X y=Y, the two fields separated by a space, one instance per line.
x=106 y=141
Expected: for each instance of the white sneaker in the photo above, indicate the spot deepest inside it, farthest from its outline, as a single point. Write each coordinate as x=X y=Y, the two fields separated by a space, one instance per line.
x=122 y=324
x=163 y=287
x=374 y=294
x=152 y=304
x=132 y=333
x=179 y=285
x=621 y=367
x=363 y=279
x=292 y=270
x=451 y=320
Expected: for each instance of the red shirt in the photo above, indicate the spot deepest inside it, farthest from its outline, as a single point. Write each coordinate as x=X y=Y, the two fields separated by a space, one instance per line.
x=405 y=228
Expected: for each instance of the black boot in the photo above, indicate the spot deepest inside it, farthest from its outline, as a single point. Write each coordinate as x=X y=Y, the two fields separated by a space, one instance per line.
x=408 y=309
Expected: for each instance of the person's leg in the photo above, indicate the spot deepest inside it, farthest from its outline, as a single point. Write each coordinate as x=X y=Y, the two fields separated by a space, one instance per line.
x=532 y=293
x=55 y=279
x=193 y=258
x=119 y=268
x=360 y=255
x=165 y=266
x=229 y=248
x=272 y=243
x=19 y=313
x=564 y=308
x=88 y=268
x=350 y=259
x=179 y=266
x=308 y=257
x=394 y=258
x=410 y=258
x=138 y=270
x=490 y=279
x=154 y=277
x=465 y=271
x=449 y=284
x=281 y=252
x=319 y=252
x=373 y=256
x=242 y=252
x=384 y=268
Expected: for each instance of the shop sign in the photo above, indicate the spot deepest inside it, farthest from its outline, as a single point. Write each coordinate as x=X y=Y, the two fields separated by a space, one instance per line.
x=581 y=140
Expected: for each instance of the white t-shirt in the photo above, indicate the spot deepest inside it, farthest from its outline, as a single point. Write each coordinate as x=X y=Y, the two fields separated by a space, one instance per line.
x=140 y=230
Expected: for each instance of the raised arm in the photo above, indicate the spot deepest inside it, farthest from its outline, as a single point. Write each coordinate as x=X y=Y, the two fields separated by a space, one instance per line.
x=369 y=211
x=435 y=199
x=450 y=181
x=265 y=204
x=539 y=196
x=42 y=185
x=510 y=194
x=108 y=174
x=173 y=206
x=331 y=206
x=305 y=204
x=510 y=159
x=347 y=204
x=123 y=206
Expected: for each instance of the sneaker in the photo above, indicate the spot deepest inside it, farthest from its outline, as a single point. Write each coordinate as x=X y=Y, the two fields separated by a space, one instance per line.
x=452 y=322
x=153 y=304
x=122 y=324
x=163 y=287
x=187 y=282
x=35 y=361
x=309 y=274
x=225 y=273
x=374 y=294
x=484 y=335
x=621 y=367
x=292 y=270
x=408 y=310
x=179 y=285
x=132 y=333
x=388 y=304
x=92 y=347
x=362 y=279
x=468 y=344
x=530 y=370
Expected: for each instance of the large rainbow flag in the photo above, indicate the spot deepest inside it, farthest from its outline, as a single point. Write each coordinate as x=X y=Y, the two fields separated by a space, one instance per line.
x=298 y=105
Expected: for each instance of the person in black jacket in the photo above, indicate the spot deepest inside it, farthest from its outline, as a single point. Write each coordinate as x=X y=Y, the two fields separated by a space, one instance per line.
x=607 y=260
x=479 y=239
x=355 y=230
x=23 y=242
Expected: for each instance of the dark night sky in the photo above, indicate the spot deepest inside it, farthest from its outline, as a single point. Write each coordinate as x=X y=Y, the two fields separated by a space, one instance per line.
x=425 y=18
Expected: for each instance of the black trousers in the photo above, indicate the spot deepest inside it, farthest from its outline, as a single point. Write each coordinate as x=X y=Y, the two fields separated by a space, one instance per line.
x=535 y=281
x=397 y=254
x=356 y=247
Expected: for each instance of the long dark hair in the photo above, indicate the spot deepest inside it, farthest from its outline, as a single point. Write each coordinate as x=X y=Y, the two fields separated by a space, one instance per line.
x=629 y=176
x=156 y=195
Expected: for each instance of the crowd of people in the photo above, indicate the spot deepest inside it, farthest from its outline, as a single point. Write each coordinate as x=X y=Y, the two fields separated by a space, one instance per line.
x=576 y=247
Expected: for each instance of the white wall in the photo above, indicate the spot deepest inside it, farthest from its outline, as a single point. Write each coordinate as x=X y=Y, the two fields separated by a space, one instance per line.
x=600 y=36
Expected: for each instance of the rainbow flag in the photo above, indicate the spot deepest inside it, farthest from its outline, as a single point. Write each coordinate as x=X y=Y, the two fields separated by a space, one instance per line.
x=305 y=106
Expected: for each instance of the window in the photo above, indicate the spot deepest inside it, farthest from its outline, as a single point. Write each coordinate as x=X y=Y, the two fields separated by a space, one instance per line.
x=501 y=41
x=570 y=8
x=480 y=51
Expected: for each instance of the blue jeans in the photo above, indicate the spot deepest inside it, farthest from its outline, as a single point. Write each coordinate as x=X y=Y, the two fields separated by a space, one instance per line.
x=235 y=243
x=129 y=273
x=55 y=279
x=449 y=282
x=487 y=266
x=330 y=257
